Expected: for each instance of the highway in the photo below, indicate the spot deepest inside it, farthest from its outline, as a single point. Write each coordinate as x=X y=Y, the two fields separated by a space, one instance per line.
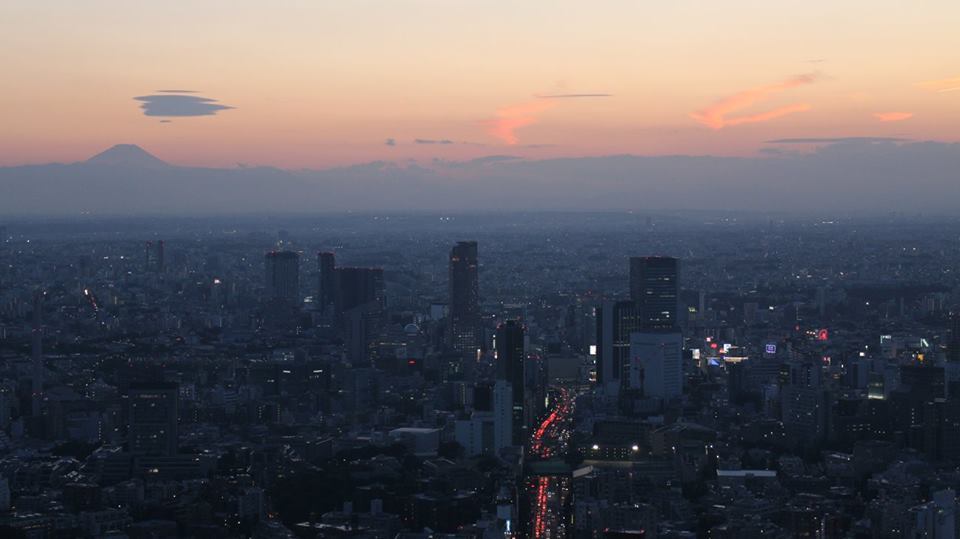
x=549 y=493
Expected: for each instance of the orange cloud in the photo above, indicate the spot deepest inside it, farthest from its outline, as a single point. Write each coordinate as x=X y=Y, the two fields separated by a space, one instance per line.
x=769 y=115
x=509 y=119
x=716 y=116
x=942 y=85
x=892 y=116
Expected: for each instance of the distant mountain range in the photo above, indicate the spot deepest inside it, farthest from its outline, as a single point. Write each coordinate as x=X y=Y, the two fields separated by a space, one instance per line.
x=842 y=176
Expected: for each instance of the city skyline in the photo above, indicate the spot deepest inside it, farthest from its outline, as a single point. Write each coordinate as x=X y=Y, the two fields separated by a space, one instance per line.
x=480 y=269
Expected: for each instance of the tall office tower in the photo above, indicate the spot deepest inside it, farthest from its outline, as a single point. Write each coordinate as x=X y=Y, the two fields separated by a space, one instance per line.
x=654 y=288
x=283 y=277
x=356 y=287
x=147 y=255
x=511 y=361
x=615 y=322
x=359 y=305
x=153 y=256
x=490 y=427
x=158 y=266
x=803 y=401
x=464 y=316
x=327 y=280
x=36 y=356
x=152 y=418
x=502 y=415
x=953 y=345
x=655 y=364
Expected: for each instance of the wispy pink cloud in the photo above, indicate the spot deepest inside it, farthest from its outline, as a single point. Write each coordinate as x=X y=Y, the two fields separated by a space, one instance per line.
x=892 y=116
x=507 y=120
x=718 y=115
x=942 y=85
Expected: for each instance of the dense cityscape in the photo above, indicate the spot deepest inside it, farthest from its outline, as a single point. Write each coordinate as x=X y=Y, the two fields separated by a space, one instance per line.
x=548 y=375
x=479 y=269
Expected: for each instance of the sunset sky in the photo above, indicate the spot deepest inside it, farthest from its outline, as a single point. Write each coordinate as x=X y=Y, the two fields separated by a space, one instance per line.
x=316 y=83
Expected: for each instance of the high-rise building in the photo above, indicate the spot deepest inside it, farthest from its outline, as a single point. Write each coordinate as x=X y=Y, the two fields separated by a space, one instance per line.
x=160 y=260
x=953 y=345
x=502 y=415
x=36 y=356
x=803 y=401
x=152 y=426
x=153 y=256
x=327 y=280
x=147 y=256
x=616 y=321
x=511 y=361
x=490 y=428
x=359 y=305
x=283 y=277
x=654 y=288
x=655 y=370
x=464 y=315
x=355 y=287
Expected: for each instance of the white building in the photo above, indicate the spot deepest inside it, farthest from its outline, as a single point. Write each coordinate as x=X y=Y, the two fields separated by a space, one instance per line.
x=656 y=367
x=488 y=432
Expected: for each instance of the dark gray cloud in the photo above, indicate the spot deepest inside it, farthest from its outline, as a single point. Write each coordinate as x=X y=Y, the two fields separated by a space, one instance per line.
x=568 y=96
x=836 y=140
x=478 y=162
x=494 y=159
x=390 y=142
x=169 y=105
x=432 y=141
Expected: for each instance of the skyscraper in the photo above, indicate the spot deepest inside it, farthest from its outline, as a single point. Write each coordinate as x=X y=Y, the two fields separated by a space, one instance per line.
x=616 y=321
x=36 y=378
x=153 y=414
x=359 y=304
x=158 y=267
x=464 y=316
x=283 y=277
x=654 y=288
x=953 y=344
x=354 y=287
x=655 y=364
x=153 y=256
x=502 y=415
x=803 y=401
x=511 y=361
x=327 y=280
